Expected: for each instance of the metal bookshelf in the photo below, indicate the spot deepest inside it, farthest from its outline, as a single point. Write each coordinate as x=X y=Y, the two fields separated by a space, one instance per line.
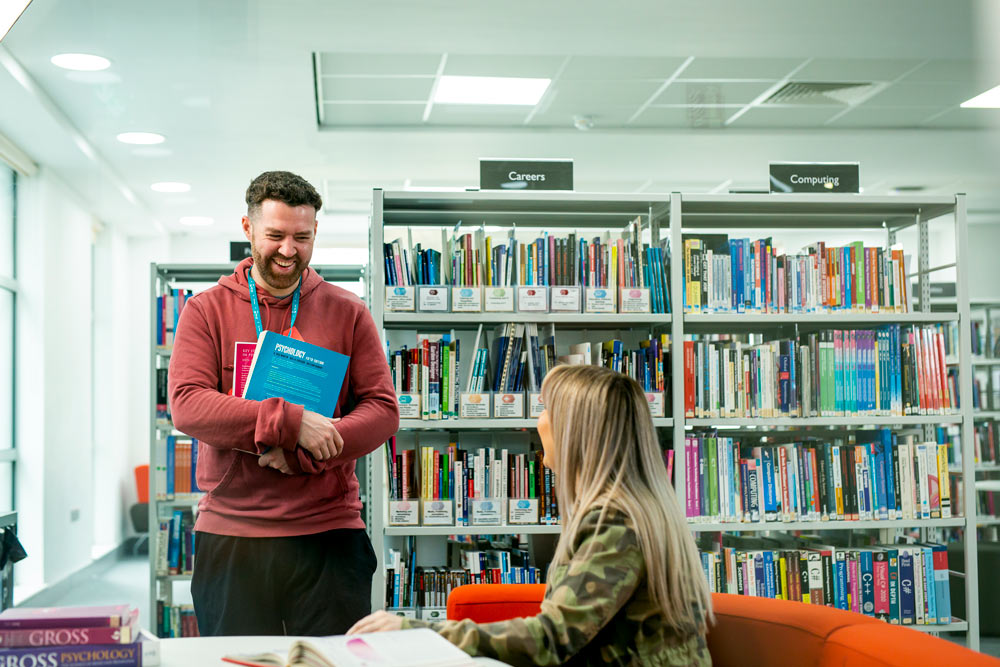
x=195 y=276
x=669 y=215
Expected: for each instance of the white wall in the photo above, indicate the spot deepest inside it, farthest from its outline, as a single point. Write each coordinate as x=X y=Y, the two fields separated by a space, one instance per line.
x=55 y=490
x=114 y=486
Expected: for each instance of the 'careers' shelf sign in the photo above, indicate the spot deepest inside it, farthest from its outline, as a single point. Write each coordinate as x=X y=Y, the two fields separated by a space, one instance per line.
x=503 y=174
x=815 y=177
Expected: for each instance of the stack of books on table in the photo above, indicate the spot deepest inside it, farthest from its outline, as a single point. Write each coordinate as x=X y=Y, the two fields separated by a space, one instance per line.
x=108 y=636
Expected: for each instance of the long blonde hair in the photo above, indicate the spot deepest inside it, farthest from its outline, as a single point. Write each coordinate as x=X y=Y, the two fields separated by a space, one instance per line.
x=608 y=456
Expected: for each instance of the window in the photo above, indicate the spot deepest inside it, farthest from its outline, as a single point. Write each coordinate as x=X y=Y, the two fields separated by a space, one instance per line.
x=8 y=293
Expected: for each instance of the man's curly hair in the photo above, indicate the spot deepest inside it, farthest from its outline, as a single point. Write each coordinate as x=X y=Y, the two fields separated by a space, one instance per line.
x=283 y=186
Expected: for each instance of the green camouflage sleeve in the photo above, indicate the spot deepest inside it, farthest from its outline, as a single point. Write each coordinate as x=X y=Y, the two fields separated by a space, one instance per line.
x=581 y=597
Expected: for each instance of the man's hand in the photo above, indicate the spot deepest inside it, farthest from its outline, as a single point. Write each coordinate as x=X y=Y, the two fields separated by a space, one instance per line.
x=380 y=621
x=274 y=458
x=319 y=436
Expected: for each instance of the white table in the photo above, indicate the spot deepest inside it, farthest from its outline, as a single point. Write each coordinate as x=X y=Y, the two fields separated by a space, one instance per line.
x=208 y=651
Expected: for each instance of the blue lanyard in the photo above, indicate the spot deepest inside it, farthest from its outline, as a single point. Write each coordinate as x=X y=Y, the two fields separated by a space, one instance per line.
x=256 y=308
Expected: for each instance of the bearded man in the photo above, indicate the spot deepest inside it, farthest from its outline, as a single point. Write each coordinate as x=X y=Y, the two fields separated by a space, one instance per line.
x=280 y=546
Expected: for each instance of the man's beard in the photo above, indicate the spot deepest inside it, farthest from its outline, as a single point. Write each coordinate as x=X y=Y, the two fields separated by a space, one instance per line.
x=276 y=280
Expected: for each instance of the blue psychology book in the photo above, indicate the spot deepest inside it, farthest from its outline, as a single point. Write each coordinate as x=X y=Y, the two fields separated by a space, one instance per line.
x=297 y=371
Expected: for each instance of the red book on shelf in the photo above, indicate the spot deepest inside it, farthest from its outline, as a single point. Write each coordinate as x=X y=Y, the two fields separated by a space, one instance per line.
x=109 y=616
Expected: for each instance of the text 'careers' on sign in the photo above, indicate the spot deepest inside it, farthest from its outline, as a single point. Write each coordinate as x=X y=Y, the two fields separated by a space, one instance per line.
x=504 y=174
x=815 y=177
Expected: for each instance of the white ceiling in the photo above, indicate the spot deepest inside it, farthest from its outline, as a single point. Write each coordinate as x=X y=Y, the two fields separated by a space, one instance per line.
x=233 y=86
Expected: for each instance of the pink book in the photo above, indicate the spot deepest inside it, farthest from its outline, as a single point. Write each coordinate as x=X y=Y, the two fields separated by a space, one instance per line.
x=110 y=616
x=67 y=636
x=688 y=480
x=881 y=576
x=852 y=583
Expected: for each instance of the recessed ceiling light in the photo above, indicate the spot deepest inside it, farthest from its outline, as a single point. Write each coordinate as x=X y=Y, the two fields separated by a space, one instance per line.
x=142 y=138
x=988 y=100
x=170 y=186
x=489 y=90
x=197 y=220
x=81 y=62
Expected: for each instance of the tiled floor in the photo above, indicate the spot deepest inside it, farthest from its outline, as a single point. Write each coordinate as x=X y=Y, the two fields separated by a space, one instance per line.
x=128 y=581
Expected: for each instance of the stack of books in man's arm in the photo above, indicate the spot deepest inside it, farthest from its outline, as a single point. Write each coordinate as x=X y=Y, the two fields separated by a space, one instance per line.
x=108 y=636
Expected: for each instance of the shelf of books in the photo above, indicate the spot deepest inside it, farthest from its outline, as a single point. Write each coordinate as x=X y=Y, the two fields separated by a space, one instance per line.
x=801 y=399
x=173 y=487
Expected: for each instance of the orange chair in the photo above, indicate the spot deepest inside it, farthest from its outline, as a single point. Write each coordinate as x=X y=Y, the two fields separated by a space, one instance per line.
x=139 y=512
x=751 y=631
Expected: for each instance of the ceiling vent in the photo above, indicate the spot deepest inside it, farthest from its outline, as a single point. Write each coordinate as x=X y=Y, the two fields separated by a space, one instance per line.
x=806 y=93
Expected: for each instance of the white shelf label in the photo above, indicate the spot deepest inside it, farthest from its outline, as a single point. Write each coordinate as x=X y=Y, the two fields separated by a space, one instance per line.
x=565 y=299
x=635 y=300
x=535 y=405
x=522 y=510
x=655 y=399
x=466 y=299
x=433 y=298
x=404 y=512
x=499 y=300
x=439 y=513
x=486 y=512
x=600 y=300
x=508 y=406
x=532 y=299
x=399 y=299
x=409 y=406
x=405 y=613
x=475 y=406
x=434 y=613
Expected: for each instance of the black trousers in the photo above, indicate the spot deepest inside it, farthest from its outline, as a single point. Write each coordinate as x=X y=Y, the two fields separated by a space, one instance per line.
x=304 y=585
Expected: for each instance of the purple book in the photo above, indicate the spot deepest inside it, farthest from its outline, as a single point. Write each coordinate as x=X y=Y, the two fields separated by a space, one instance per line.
x=93 y=655
x=110 y=616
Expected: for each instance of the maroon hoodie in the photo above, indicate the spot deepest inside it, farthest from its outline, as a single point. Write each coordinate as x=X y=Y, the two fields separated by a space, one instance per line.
x=242 y=498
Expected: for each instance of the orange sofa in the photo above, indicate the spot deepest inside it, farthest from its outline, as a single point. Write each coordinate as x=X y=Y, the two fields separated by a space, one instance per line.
x=758 y=631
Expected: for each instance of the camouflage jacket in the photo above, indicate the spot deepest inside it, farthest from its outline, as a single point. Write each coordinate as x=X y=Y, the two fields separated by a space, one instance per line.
x=596 y=611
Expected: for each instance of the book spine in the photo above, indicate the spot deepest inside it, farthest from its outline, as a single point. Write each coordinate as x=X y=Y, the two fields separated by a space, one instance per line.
x=96 y=655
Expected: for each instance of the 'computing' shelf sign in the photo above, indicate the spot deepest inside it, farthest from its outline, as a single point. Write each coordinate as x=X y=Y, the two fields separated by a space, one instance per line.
x=815 y=177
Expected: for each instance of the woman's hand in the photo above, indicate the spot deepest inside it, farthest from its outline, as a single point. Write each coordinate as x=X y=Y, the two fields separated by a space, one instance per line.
x=380 y=621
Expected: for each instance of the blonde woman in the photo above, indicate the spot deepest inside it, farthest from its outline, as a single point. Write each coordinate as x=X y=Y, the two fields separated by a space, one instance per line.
x=625 y=586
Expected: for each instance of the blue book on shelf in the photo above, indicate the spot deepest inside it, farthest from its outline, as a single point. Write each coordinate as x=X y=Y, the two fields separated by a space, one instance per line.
x=194 y=466
x=907 y=600
x=770 y=502
x=769 y=580
x=866 y=568
x=941 y=590
x=840 y=580
x=171 y=462
x=297 y=371
x=930 y=585
x=174 y=541
x=893 y=556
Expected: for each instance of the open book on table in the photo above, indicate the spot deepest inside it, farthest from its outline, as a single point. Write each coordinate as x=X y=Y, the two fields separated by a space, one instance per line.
x=399 y=648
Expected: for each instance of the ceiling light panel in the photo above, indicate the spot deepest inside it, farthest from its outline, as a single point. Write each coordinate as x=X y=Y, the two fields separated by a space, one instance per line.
x=988 y=100
x=196 y=221
x=484 y=90
x=81 y=62
x=170 y=186
x=141 y=138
